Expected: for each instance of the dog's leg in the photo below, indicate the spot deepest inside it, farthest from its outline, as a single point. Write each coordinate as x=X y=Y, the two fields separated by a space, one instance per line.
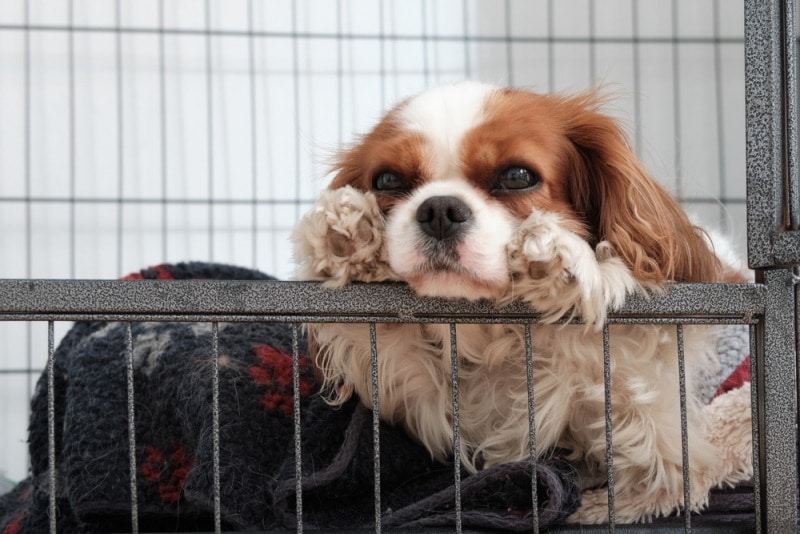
x=559 y=274
x=341 y=240
x=728 y=434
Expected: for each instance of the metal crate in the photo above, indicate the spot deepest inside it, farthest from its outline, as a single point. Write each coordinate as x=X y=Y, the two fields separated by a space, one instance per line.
x=49 y=183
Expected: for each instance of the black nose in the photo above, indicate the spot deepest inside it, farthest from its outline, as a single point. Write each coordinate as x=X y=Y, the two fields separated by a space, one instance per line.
x=443 y=217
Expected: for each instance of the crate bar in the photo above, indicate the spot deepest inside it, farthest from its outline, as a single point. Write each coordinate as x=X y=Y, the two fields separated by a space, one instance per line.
x=776 y=373
x=786 y=247
x=356 y=36
x=612 y=525
x=756 y=419
x=298 y=445
x=354 y=303
x=72 y=144
x=376 y=425
x=328 y=319
x=456 y=429
x=722 y=172
x=676 y=99
x=51 y=429
x=131 y=428
x=162 y=130
x=687 y=496
x=766 y=145
x=120 y=138
x=215 y=426
x=790 y=110
x=209 y=87
x=251 y=77
x=531 y=426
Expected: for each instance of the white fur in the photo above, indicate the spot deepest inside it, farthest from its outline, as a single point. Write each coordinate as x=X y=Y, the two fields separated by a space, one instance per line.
x=560 y=275
x=444 y=115
x=481 y=251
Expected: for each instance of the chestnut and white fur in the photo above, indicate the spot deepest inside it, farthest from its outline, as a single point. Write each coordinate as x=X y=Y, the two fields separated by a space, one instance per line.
x=479 y=192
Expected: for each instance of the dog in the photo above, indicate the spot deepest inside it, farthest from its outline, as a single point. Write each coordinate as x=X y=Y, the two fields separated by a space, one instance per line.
x=479 y=192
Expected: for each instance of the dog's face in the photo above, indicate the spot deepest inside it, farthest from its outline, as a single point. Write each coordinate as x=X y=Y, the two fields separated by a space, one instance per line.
x=458 y=168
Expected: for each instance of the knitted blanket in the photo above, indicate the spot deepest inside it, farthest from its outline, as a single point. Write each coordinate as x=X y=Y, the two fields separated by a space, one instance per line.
x=174 y=441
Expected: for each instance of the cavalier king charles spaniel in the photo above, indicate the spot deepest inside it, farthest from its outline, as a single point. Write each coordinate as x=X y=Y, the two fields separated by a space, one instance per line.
x=478 y=192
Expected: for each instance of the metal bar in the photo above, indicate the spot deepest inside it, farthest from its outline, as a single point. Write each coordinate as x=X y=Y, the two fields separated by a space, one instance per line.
x=551 y=59
x=298 y=444
x=426 y=68
x=210 y=128
x=755 y=355
x=162 y=105
x=160 y=200
x=733 y=303
x=456 y=429
x=192 y=317
x=28 y=219
x=612 y=527
x=120 y=133
x=637 y=79
x=676 y=100
x=215 y=425
x=376 y=426
x=251 y=71
x=763 y=29
x=296 y=110
x=72 y=134
x=719 y=99
x=246 y=201
x=382 y=53
x=467 y=39
x=531 y=426
x=131 y=429
x=776 y=371
x=790 y=110
x=592 y=43
x=785 y=248
x=307 y=35
x=51 y=429
x=687 y=495
x=509 y=47
x=339 y=76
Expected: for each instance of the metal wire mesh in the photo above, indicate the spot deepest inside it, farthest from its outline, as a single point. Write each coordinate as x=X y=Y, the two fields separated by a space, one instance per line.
x=139 y=133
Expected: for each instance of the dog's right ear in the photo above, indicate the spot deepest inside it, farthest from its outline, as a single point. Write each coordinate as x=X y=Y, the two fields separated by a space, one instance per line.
x=623 y=205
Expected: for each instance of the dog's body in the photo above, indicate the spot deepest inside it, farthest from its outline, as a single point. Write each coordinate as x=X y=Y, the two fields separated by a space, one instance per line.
x=478 y=192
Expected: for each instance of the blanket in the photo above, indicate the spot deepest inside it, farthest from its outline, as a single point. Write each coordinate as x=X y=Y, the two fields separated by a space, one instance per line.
x=173 y=372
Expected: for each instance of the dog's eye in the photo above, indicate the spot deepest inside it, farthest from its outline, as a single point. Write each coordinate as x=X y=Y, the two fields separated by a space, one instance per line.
x=388 y=181
x=516 y=179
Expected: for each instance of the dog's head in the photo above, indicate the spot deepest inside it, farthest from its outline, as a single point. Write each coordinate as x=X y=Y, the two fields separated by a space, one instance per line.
x=456 y=169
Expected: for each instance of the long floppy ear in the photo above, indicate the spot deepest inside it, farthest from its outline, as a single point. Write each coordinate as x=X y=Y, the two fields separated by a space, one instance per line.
x=623 y=205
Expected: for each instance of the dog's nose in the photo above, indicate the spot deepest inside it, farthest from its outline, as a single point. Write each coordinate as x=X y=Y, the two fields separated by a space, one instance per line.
x=443 y=217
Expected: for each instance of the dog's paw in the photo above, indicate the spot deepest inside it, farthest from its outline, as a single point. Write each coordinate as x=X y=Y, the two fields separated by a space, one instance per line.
x=544 y=258
x=558 y=273
x=341 y=239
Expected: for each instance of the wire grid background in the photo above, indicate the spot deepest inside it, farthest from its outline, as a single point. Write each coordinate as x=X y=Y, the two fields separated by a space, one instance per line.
x=137 y=133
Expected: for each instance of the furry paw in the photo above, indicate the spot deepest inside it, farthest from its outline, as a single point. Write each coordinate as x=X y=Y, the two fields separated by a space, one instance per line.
x=556 y=271
x=341 y=240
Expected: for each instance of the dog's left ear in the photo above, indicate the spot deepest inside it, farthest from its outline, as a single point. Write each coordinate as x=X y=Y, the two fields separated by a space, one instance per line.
x=622 y=204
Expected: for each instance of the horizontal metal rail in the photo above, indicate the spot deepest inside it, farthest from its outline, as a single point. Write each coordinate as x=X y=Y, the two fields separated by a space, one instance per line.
x=248 y=300
x=352 y=36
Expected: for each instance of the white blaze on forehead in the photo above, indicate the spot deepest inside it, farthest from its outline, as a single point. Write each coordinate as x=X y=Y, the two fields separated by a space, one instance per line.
x=443 y=115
